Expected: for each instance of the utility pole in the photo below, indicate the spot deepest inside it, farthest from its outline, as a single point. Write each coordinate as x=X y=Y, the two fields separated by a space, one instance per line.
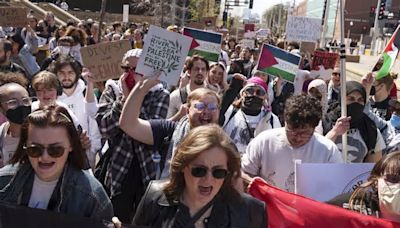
x=279 y=18
x=376 y=28
x=173 y=12
x=162 y=13
x=102 y=14
x=325 y=27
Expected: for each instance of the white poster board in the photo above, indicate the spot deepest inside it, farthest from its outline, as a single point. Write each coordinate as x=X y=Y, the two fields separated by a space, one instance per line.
x=248 y=43
x=165 y=51
x=325 y=181
x=125 y=13
x=304 y=29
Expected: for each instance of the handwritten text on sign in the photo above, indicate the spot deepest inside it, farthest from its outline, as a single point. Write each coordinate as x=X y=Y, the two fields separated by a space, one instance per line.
x=13 y=16
x=303 y=29
x=104 y=59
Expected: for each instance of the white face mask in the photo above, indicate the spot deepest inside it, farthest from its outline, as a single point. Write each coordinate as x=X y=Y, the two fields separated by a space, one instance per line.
x=389 y=199
x=64 y=50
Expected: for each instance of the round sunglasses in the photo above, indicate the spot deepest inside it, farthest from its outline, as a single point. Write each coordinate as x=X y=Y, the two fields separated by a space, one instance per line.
x=37 y=150
x=217 y=173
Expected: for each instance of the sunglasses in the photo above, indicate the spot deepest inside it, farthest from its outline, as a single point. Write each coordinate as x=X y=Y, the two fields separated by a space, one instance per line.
x=37 y=150
x=217 y=173
x=127 y=68
x=200 y=106
x=254 y=91
x=392 y=178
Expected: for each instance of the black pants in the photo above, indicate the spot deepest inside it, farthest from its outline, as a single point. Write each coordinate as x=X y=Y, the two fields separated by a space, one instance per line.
x=132 y=190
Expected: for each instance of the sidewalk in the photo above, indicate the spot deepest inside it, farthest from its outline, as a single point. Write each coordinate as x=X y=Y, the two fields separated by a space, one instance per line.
x=366 y=64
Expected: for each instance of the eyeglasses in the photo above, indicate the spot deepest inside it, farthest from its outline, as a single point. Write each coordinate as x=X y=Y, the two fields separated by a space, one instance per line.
x=127 y=68
x=304 y=134
x=14 y=103
x=217 y=173
x=392 y=178
x=336 y=73
x=37 y=150
x=255 y=91
x=200 y=106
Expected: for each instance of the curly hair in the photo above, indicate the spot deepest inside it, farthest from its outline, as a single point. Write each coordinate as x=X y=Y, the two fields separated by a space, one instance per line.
x=302 y=110
x=13 y=77
x=198 y=140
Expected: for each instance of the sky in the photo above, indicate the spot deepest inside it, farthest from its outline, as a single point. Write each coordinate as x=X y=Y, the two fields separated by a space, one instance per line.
x=259 y=6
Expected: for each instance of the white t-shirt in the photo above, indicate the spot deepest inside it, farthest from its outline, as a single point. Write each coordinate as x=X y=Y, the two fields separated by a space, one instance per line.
x=356 y=147
x=270 y=156
x=41 y=193
x=175 y=101
x=9 y=145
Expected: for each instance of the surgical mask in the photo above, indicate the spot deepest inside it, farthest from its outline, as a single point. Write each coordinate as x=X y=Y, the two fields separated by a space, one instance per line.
x=389 y=199
x=252 y=105
x=18 y=114
x=355 y=110
x=395 y=121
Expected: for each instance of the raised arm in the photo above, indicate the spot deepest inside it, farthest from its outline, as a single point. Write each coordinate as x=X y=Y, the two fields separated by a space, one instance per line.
x=130 y=122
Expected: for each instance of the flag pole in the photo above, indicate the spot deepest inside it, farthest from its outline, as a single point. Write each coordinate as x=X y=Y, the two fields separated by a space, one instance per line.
x=343 y=77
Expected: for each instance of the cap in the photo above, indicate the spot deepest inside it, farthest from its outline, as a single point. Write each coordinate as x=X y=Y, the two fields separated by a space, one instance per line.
x=257 y=81
x=132 y=53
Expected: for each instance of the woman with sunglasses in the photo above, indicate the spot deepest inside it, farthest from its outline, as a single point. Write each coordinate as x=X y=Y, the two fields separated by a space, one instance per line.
x=46 y=171
x=200 y=190
x=380 y=195
x=249 y=115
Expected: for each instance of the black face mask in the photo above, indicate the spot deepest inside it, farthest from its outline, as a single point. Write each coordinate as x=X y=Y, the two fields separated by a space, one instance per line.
x=252 y=105
x=355 y=110
x=18 y=114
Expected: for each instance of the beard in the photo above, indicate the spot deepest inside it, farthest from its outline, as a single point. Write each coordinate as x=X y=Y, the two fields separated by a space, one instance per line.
x=3 y=59
x=68 y=84
x=198 y=80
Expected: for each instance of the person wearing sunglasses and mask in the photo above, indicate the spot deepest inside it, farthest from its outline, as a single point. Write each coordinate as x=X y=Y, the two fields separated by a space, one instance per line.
x=200 y=191
x=46 y=171
x=379 y=196
x=249 y=115
x=365 y=141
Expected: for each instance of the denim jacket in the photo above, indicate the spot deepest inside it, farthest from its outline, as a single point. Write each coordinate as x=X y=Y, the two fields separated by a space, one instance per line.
x=25 y=57
x=76 y=192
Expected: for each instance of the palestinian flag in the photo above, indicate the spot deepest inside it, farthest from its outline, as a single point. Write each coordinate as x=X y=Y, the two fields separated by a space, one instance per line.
x=389 y=55
x=278 y=62
x=205 y=43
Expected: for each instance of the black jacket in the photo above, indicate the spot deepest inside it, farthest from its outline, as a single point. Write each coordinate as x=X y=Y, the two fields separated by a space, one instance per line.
x=155 y=210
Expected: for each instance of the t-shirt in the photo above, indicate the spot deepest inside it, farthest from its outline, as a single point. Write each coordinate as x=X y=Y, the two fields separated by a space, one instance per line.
x=270 y=156
x=381 y=108
x=356 y=147
x=41 y=193
x=8 y=145
x=175 y=101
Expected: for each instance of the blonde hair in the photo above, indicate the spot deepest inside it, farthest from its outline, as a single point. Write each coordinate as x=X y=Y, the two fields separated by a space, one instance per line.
x=200 y=93
x=45 y=80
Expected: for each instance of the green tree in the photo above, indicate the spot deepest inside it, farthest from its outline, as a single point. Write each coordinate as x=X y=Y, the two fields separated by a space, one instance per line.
x=275 y=18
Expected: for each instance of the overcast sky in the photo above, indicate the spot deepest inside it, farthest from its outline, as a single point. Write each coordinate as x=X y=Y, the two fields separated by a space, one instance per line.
x=260 y=6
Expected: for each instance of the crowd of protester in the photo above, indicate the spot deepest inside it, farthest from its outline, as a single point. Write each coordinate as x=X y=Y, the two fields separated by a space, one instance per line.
x=176 y=156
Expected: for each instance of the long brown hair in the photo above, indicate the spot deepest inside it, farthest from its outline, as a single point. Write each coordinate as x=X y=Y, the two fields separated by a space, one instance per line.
x=388 y=164
x=51 y=116
x=198 y=140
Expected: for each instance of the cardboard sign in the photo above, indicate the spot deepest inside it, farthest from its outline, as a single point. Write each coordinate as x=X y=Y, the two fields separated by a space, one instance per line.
x=323 y=64
x=303 y=29
x=248 y=43
x=207 y=44
x=13 y=17
x=165 y=51
x=104 y=59
x=278 y=62
x=323 y=182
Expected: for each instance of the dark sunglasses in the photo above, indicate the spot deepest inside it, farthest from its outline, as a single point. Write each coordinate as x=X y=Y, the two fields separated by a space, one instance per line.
x=392 y=178
x=217 y=173
x=37 y=150
x=254 y=90
x=127 y=68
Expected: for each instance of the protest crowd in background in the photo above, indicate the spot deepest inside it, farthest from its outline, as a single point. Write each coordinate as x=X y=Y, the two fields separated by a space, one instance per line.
x=160 y=131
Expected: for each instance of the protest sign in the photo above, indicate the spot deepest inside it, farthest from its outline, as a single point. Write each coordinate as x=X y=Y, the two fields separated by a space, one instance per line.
x=323 y=182
x=248 y=43
x=165 y=51
x=303 y=29
x=323 y=64
x=104 y=59
x=249 y=27
x=209 y=43
x=263 y=32
x=278 y=62
x=13 y=16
